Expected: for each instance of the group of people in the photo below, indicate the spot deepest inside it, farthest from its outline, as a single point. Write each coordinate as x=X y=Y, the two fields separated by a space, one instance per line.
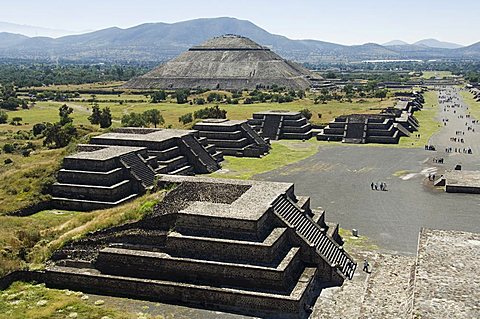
x=457 y=139
x=382 y=186
x=430 y=148
x=465 y=150
x=438 y=160
x=431 y=177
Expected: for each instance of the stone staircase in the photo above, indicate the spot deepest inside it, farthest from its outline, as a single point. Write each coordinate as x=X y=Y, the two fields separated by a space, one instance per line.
x=200 y=153
x=355 y=131
x=271 y=127
x=137 y=166
x=306 y=227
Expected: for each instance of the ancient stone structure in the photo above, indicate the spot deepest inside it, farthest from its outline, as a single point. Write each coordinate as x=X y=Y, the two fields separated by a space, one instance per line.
x=234 y=138
x=446 y=282
x=242 y=246
x=227 y=63
x=459 y=181
x=476 y=93
x=277 y=125
x=386 y=127
x=118 y=166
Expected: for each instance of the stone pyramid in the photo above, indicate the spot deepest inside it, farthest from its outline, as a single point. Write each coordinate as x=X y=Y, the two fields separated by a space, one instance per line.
x=228 y=62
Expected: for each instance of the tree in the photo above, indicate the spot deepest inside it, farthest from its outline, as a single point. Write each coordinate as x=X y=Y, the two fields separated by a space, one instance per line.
x=134 y=120
x=3 y=117
x=58 y=135
x=330 y=75
x=182 y=96
x=158 y=96
x=381 y=94
x=213 y=112
x=186 y=118
x=64 y=112
x=96 y=115
x=105 y=118
x=154 y=117
x=38 y=129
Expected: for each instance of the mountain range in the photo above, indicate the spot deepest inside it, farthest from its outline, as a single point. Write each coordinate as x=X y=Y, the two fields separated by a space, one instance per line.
x=163 y=41
x=430 y=43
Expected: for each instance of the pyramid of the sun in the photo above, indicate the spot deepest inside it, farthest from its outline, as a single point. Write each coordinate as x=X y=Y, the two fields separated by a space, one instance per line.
x=228 y=62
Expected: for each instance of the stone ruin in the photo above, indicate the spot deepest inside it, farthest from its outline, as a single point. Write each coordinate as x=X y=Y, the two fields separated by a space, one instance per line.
x=460 y=181
x=247 y=247
x=234 y=138
x=385 y=128
x=227 y=62
x=476 y=93
x=119 y=166
x=277 y=125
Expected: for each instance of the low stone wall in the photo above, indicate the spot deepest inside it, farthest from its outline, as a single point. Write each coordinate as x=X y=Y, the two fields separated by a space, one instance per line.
x=32 y=209
x=266 y=252
x=200 y=296
x=144 y=264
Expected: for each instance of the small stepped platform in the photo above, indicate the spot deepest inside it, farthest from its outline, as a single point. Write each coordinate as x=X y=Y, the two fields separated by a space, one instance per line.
x=233 y=138
x=276 y=125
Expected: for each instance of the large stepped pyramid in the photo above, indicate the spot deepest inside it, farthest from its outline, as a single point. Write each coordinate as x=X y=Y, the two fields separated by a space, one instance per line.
x=227 y=62
x=234 y=138
x=247 y=247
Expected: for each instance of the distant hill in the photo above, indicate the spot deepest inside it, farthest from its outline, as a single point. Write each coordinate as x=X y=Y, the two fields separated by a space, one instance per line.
x=163 y=41
x=395 y=42
x=434 y=43
x=32 y=31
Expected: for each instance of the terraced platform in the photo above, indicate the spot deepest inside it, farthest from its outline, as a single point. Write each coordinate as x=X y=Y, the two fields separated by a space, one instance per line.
x=234 y=138
x=118 y=166
x=276 y=125
x=241 y=246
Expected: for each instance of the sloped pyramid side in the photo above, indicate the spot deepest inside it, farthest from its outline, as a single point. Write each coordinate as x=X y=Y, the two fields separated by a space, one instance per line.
x=226 y=62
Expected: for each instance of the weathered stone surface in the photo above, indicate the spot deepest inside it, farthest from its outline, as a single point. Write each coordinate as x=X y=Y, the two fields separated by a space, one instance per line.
x=227 y=62
x=447 y=284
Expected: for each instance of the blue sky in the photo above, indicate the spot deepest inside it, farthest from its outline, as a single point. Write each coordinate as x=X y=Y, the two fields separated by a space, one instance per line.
x=346 y=22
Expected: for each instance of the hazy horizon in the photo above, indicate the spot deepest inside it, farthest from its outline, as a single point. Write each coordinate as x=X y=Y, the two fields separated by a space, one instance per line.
x=370 y=21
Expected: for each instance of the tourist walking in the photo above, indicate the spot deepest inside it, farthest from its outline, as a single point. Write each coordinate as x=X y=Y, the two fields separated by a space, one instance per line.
x=365 y=266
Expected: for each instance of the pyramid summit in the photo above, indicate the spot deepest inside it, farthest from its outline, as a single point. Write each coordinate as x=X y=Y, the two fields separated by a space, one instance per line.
x=228 y=62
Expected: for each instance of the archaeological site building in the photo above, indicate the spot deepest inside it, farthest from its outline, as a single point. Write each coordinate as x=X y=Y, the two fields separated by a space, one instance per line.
x=119 y=166
x=242 y=246
x=387 y=127
x=234 y=138
x=278 y=125
x=227 y=63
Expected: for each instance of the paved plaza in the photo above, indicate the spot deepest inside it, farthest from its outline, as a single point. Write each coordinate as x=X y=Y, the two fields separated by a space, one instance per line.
x=338 y=178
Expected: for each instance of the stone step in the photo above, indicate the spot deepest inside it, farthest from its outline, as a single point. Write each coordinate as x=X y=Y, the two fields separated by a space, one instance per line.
x=87 y=205
x=184 y=170
x=265 y=252
x=290 y=305
x=159 y=265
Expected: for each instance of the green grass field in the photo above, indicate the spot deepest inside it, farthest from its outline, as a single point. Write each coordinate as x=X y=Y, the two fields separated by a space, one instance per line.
x=281 y=154
x=436 y=74
x=171 y=111
x=474 y=106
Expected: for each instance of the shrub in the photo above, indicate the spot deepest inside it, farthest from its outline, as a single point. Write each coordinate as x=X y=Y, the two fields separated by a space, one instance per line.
x=186 y=118
x=213 y=112
x=3 y=117
x=38 y=129
x=8 y=148
x=307 y=113
x=8 y=161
